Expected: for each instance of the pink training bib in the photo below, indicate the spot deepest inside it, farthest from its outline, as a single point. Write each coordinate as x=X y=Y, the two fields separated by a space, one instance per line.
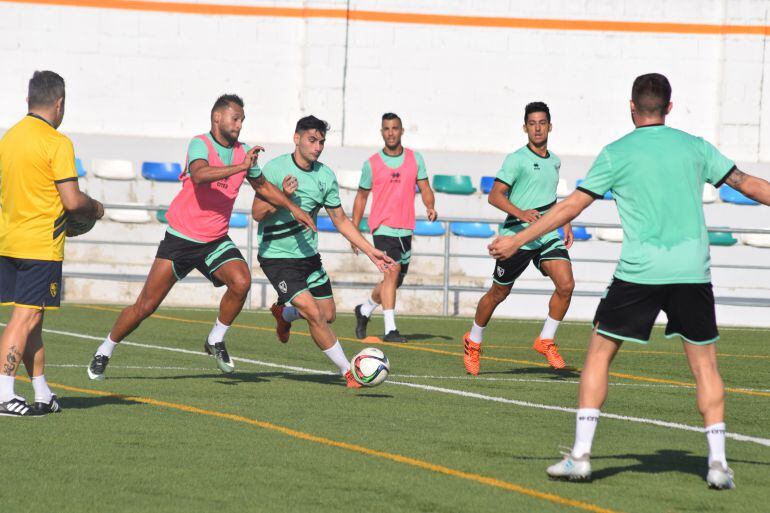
x=202 y=211
x=393 y=190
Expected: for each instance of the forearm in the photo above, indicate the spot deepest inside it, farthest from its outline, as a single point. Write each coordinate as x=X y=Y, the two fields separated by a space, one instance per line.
x=359 y=206
x=428 y=198
x=348 y=230
x=500 y=202
x=757 y=189
x=83 y=204
x=261 y=209
x=560 y=215
x=209 y=174
x=273 y=195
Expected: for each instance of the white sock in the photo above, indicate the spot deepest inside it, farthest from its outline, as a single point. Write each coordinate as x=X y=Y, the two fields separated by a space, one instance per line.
x=715 y=435
x=290 y=314
x=477 y=333
x=6 y=388
x=337 y=356
x=587 y=418
x=217 y=333
x=42 y=392
x=549 y=328
x=107 y=347
x=390 y=320
x=368 y=307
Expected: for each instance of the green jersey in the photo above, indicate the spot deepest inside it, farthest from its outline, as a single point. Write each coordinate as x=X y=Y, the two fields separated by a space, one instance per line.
x=393 y=162
x=280 y=235
x=532 y=180
x=197 y=150
x=656 y=175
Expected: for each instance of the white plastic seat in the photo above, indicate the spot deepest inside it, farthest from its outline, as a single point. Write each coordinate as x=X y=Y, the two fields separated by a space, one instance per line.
x=130 y=216
x=759 y=240
x=349 y=179
x=710 y=194
x=113 y=169
x=563 y=190
x=610 y=234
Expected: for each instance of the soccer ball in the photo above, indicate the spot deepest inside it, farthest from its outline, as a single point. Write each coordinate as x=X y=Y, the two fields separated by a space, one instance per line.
x=370 y=367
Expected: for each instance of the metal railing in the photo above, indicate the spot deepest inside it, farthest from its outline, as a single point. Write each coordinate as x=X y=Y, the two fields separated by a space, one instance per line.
x=446 y=287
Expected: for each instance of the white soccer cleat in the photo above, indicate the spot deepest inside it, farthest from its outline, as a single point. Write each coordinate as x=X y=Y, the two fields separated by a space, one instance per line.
x=720 y=477
x=571 y=468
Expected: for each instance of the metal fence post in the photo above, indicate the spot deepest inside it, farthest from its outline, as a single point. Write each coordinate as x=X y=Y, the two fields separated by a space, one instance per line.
x=446 y=270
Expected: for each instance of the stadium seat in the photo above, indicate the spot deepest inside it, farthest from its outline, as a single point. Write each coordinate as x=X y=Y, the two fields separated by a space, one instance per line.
x=722 y=239
x=80 y=168
x=477 y=230
x=161 y=171
x=710 y=194
x=730 y=195
x=562 y=189
x=453 y=184
x=486 y=184
x=607 y=195
x=430 y=229
x=160 y=215
x=578 y=232
x=129 y=216
x=610 y=234
x=759 y=240
x=238 y=220
x=325 y=224
x=113 y=169
x=363 y=226
x=349 y=179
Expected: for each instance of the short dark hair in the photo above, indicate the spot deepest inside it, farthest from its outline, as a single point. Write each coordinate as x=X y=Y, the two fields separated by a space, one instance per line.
x=391 y=115
x=651 y=94
x=536 y=107
x=45 y=88
x=225 y=100
x=312 y=123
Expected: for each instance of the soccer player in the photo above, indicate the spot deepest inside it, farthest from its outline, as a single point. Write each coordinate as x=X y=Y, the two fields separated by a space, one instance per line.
x=391 y=175
x=288 y=253
x=196 y=237
x=656 y=175
x=525 y=189
x=38 y=189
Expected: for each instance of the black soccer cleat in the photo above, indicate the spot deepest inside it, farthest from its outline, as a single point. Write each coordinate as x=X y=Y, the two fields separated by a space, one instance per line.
x=219 y=351
x=18 y=407
x=52 y=406
x=394 y=336
x=98 y=366
x=361 y=322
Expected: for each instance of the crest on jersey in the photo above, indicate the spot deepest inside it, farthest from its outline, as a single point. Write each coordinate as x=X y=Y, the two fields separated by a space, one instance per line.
x=53 y=289
x=500 y=271
x=283 y=287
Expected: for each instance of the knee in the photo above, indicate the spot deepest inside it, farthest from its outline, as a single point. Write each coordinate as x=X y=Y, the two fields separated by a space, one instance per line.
x=566 y=287
x=145 y=307
x=240 y=285
x=331 y=316
x=314 y=315
x=498 y=294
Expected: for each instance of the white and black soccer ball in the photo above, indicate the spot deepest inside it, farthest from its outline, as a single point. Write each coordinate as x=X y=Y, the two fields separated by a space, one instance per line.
x=370 y=367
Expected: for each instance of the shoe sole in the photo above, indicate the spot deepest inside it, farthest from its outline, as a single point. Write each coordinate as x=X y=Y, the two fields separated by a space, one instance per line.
x=573 y=479
x=14 y=415
x=94 y=377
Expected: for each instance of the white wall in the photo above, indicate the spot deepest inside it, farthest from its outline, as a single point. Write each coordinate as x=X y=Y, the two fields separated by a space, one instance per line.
x=457 y=88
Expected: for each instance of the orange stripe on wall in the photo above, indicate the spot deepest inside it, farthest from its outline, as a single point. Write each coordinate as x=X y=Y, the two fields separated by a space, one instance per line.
x=413 y=18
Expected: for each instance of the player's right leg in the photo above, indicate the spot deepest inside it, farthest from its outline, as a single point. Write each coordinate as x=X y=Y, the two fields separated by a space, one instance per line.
x=159 y=282
x=34 y=360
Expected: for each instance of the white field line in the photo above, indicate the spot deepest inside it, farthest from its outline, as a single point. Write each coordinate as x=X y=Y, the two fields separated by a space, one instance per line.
x=133 y=367
x=461 y=393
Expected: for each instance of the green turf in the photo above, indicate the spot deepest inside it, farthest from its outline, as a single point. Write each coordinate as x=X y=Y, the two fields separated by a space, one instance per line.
x=107 y=453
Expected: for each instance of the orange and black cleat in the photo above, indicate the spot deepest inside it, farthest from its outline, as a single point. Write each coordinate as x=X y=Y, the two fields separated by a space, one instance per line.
x=351 y=381
x=472 y=355
x=545 y=346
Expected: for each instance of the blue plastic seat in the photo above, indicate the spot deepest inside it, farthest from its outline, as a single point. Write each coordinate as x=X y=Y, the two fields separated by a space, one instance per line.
x=607 y=195
x=325 y=224
x=486 y=184
x=80 y=168
x=161 y=171
x=427 y=228
x=730 y=195
x=239 y=221
x=477 y=230
x=578 y=232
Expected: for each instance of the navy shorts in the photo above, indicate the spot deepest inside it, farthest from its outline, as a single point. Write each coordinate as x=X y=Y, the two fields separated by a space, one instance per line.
x=30 y=283
x=207 y=257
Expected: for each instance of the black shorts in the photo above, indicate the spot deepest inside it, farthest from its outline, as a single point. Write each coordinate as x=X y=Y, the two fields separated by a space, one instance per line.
x=207 y=257
x=397 y=248
x=507 y=271
x=628 y=310
x=30 y=283
x=291 y=276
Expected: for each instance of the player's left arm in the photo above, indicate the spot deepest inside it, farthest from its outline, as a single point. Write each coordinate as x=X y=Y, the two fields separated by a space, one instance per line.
x=428 y=199
x=562 y=213
x=749 y=185
x=348 y=230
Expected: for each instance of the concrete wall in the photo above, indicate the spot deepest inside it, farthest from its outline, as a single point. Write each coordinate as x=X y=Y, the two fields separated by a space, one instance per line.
x=458 y=88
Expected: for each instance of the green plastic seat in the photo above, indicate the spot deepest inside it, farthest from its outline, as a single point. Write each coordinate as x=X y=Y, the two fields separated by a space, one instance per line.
x=363 y=226
x=160 y=215
x=453 y=184
x=722 y=239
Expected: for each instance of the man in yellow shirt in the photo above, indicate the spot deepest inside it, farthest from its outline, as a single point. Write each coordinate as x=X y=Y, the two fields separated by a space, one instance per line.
x=38 y=190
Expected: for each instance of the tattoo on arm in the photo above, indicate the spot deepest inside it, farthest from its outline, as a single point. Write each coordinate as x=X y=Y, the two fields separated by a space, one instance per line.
x=736 y=178
x=334 y=212
x=12 y=361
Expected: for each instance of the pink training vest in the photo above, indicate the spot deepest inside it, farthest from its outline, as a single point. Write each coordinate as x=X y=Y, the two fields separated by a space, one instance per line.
x=393 y=189
x=202 y=211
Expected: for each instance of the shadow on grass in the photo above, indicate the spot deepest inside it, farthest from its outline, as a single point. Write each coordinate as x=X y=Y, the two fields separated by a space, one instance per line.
x=374 y=396
x=543 y=372
x=425 y=336
x=83 y=403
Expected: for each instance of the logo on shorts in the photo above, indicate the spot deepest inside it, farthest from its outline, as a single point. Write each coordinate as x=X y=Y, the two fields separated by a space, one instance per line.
x=283 y=287
x=53 y=289
x=500 y=271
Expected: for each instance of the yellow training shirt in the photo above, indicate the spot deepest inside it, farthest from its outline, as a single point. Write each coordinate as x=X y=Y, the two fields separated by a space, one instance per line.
x=34 y=156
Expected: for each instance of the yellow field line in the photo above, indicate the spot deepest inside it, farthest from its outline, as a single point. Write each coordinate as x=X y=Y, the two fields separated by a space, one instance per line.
x=413 y=462
x=375 y=340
